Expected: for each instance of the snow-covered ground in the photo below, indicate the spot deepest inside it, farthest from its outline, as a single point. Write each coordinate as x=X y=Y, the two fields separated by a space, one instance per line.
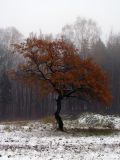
x=38 y=141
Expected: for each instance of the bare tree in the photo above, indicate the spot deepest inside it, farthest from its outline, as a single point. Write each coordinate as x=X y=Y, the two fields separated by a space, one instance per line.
x=83 y=33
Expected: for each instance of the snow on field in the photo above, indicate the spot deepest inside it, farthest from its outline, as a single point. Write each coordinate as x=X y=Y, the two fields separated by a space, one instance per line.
x=38 y=141
x=87 y=120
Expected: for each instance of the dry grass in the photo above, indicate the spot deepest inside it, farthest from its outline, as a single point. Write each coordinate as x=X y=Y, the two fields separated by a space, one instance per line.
x=49 y=119
x=23 y=123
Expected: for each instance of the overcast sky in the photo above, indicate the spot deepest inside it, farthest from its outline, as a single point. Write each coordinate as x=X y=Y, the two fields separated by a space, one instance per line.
x=51 y=15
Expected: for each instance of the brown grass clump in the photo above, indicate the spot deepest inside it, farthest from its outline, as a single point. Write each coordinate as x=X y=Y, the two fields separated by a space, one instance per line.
x=50 y=120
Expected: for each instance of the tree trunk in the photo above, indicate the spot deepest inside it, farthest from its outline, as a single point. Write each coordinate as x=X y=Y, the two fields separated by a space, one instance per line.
x=57 y=116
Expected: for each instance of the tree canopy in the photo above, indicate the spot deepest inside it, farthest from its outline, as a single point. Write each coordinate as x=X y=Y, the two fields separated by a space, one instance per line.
x=57 y=66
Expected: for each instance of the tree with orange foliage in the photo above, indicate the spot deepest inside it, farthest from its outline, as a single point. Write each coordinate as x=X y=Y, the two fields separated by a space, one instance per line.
x=58 y=67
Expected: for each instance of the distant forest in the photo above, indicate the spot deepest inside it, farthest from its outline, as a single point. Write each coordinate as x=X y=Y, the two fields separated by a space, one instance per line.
x=18 y=101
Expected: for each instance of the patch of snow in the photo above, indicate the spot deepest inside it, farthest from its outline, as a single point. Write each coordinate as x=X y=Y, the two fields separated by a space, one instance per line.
x=94 y=121
x=36 y=140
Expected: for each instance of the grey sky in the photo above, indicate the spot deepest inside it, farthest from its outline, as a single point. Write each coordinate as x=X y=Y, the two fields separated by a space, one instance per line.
x=51 y=15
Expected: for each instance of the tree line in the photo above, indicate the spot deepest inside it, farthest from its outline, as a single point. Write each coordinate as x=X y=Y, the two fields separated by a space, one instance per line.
x=19 y=101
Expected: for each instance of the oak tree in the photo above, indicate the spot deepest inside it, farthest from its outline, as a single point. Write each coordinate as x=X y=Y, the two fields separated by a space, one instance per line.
x=57 y=67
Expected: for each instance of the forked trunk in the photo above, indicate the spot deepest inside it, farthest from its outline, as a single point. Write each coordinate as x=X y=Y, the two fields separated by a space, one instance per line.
x=57 y=116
